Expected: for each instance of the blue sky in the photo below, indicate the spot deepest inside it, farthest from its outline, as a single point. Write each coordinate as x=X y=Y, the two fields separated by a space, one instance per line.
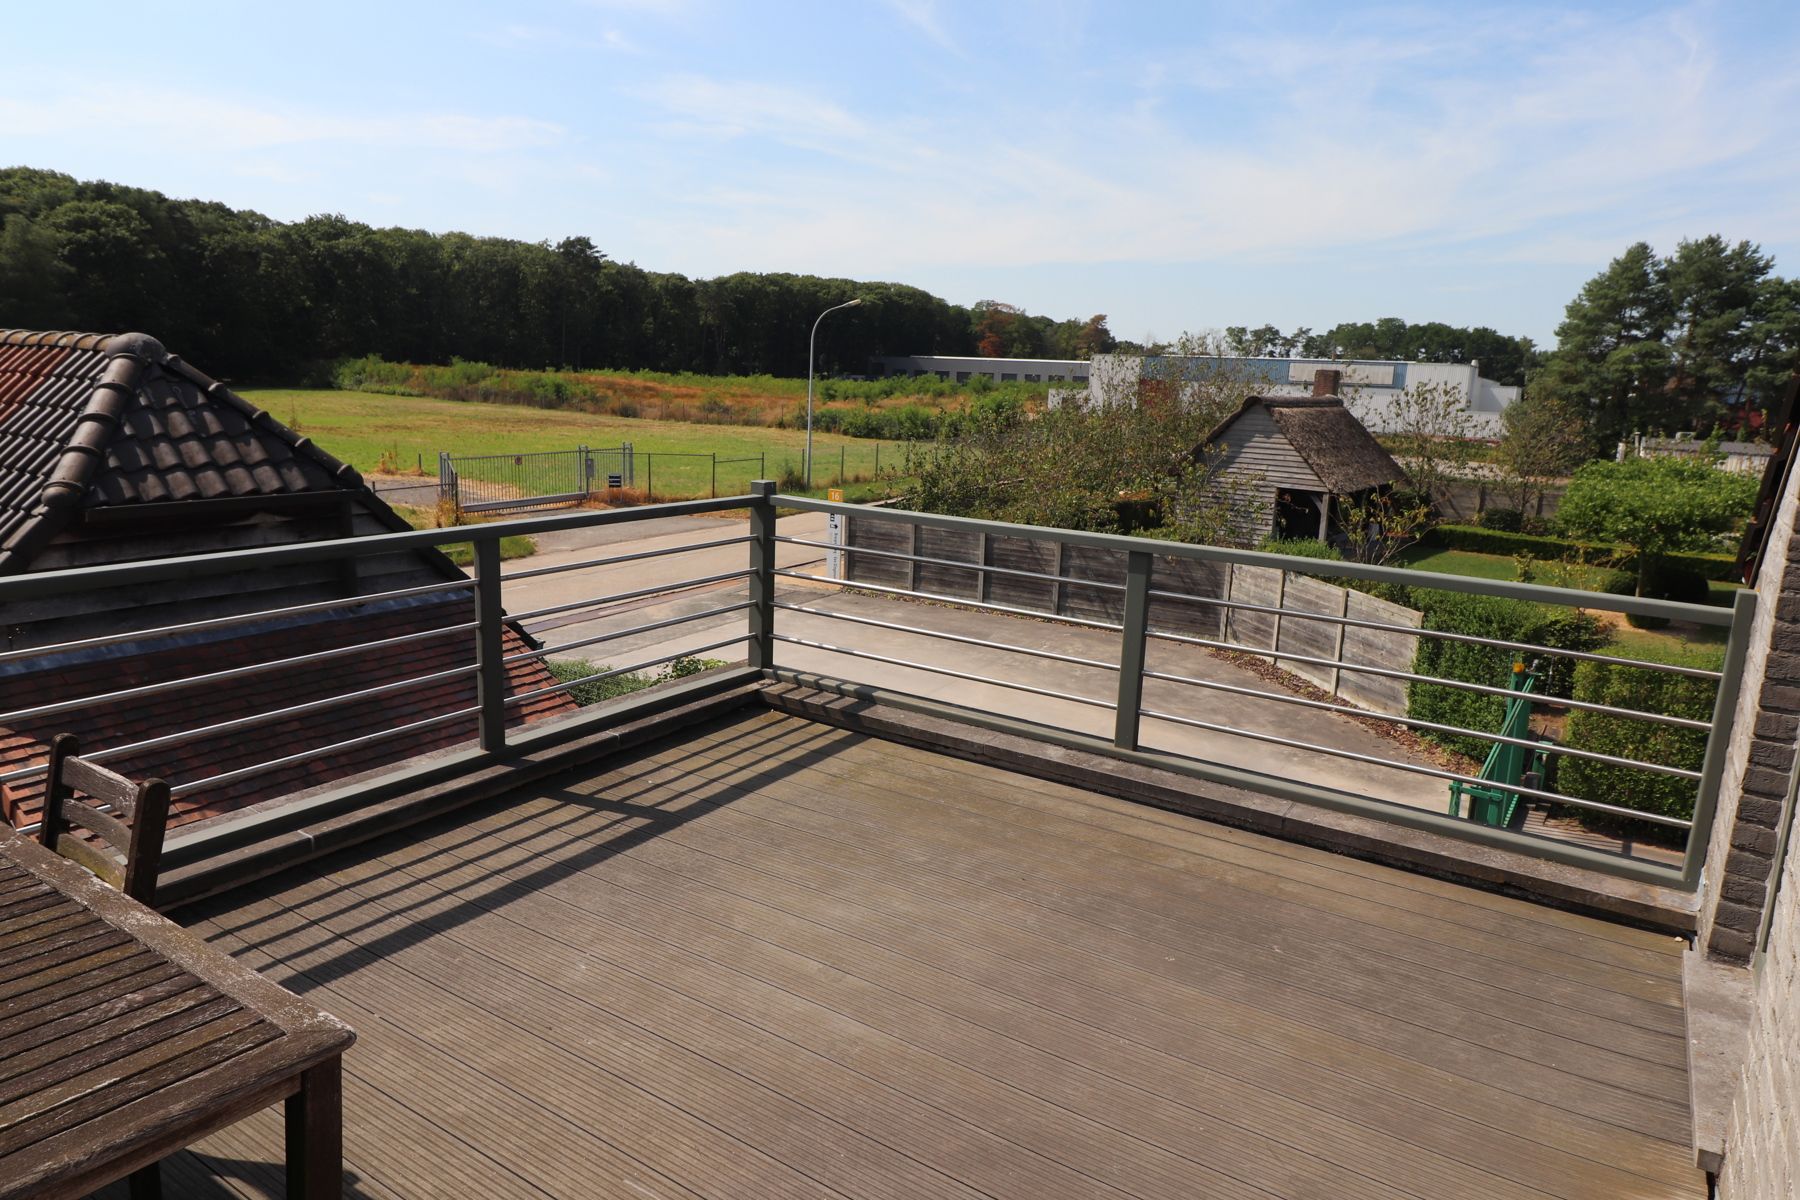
x=1177 y=166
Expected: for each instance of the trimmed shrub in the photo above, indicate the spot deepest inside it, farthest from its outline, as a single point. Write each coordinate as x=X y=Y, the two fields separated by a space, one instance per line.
x=1667 y=582
x=1501 y=620
x=1506 y=520
x=1647 y=691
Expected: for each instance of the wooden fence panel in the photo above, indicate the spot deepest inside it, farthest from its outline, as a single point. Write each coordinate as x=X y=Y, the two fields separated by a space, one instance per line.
x=1194 y=618
x=1315 y=639
x=1378 y=648
x=1103 y=566
x=1023 y=554
x=956 y=546
x=1253 y=585
x=893 y=536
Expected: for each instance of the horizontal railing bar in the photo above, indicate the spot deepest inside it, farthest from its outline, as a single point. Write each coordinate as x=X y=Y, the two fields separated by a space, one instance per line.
x=918 y=666
x=1351 y=710
x=610 y=672
x=1437 y=634
x=983 y=605
x=267 y=614
x=1549 y=847
x=317 y=751
x=481 y=506
x=80 y=579
x=276 y=714
x=509 y=576
x=620 y=633
x=951 y=562
x=171 y=685
x=952 y=637
x=1702 y=614
x=1459 y=684
x=636 y=594
x=1418 y=769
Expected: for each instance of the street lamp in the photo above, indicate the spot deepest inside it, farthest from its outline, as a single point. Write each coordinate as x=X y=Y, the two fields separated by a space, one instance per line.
x=809 y=380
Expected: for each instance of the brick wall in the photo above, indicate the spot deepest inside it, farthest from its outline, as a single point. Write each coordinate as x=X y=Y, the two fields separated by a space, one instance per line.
x=1762 y=1135
x=1736 y=886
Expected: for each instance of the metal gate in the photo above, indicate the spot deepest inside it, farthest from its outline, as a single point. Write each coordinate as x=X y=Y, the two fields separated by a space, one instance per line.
x=475 y=483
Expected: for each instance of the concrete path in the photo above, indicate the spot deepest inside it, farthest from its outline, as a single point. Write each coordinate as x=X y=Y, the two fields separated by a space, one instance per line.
x=1076 y=681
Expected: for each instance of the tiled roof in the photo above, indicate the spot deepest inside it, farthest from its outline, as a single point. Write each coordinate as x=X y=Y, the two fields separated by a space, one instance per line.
x=92 y=420
x=121 y=722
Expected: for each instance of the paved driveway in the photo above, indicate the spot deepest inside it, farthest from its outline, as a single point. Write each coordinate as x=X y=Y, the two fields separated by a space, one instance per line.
x=821 y=627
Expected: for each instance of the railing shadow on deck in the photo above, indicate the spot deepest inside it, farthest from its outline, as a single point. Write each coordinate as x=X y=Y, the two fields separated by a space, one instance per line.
x=580 y=846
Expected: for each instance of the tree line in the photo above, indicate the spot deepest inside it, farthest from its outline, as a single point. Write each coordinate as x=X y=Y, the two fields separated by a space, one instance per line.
x=252 y=297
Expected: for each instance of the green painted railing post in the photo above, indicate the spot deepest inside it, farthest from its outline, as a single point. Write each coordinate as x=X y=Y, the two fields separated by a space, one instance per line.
x=490 y=648
x=1131 y=649
x=1718 y=742
x=762 y=575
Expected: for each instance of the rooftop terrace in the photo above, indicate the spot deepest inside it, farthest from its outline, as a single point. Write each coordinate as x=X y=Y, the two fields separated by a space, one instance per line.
x=965 y=911
x=770 y=957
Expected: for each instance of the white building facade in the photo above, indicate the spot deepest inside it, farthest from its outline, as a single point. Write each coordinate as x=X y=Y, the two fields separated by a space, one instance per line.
x=1370 y=388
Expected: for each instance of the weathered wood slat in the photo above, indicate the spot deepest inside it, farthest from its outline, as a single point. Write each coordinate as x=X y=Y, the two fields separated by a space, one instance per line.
x=773 y=952
x=122 y=1038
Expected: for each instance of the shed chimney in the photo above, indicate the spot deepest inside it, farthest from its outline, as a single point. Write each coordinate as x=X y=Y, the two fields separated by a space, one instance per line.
x=1325 y=381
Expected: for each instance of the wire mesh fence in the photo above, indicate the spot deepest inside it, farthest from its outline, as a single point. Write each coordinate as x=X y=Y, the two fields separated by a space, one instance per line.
x=496 y=483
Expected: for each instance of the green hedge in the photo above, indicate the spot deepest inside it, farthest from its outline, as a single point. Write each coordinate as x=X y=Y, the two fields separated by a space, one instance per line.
x=1301 y=548
x=1647 y=691
x=1502 y=620
x=1478 y=540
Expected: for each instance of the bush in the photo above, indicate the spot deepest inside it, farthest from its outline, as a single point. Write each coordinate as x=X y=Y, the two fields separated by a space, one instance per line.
x=1507 y=520
x=1301 y=548
x=567 y=670
x=1501 y=620
x=1667 y=581
x=1647 y=691
x=612 y=687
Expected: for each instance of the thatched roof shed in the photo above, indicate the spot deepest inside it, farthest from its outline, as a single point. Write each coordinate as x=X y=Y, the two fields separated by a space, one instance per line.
x=1305 y=450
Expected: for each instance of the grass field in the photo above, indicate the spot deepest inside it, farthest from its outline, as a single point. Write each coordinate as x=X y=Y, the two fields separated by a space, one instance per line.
x=399 y=434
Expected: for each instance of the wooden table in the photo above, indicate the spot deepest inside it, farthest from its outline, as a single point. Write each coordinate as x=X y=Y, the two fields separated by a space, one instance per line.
x=123 y=1038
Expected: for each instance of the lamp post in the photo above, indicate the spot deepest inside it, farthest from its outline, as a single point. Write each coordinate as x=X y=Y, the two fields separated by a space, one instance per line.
x=809 y=380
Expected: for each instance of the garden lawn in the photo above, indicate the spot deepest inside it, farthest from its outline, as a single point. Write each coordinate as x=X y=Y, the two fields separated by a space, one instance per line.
x=1653 y=643
x=373 y=431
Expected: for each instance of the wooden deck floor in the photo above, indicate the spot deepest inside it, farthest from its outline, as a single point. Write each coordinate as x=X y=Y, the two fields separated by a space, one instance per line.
x=778 y=959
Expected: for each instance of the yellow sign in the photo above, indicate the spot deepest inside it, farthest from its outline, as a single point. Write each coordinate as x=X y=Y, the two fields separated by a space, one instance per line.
x=835 y=495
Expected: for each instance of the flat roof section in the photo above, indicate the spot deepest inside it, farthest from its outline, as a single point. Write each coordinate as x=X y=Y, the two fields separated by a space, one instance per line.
x=771 y=957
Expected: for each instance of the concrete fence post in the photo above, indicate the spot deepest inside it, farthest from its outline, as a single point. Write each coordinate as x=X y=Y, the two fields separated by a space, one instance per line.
x=762 y=575
x=490 y=646
x=1138 y=564
x=1337 y=645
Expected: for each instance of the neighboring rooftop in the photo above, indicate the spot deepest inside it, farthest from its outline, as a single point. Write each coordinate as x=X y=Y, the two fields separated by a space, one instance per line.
x=92 y=421
x=112 y=449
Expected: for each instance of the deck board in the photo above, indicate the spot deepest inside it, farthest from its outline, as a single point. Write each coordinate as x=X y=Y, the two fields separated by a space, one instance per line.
x=773 y=958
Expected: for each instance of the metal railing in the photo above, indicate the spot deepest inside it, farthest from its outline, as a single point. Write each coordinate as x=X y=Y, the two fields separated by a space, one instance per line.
x=1131 y=593
x=410 y=662
x=1105 y=670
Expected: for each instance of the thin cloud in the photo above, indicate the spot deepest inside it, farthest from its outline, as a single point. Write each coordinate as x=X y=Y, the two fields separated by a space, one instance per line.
x=923 y=16
x=226 y=125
